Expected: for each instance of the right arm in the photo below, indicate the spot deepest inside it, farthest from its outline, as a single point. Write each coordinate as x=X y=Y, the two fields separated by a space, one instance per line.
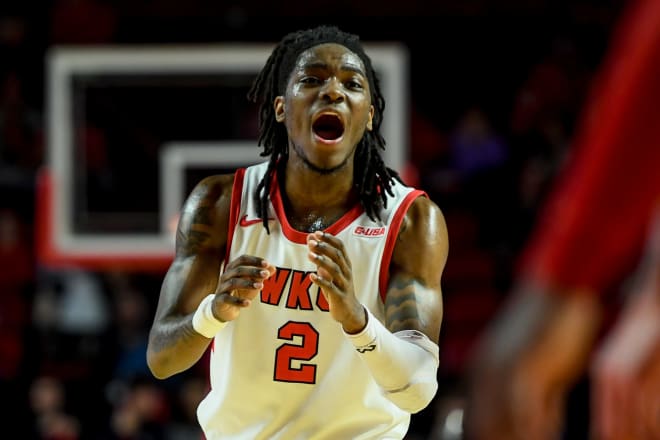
x=201 y=239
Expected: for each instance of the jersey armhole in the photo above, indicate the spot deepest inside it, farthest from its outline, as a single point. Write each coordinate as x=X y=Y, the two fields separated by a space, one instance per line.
x=392 y=234
x=235 y=208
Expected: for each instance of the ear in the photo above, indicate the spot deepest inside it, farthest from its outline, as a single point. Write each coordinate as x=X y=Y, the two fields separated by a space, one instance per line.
x=278 y=105
x=370 y=125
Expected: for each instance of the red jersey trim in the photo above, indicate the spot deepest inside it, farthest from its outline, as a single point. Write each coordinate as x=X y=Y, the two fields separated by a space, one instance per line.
x=392 y=234
x=301 y=237
x=235 y=208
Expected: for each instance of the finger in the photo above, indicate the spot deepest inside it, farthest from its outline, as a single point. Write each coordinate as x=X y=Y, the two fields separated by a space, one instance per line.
x=324 y=283
x=270 y=268
x=332 y=248
x=328 y=269
x=329 y=258
x=248 y=260
x=232 y=284
x=247 y=293
x=226 y=299
x=256 y=274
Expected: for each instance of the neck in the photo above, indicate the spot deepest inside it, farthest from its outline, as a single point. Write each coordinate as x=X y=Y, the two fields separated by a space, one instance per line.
x=315 y=199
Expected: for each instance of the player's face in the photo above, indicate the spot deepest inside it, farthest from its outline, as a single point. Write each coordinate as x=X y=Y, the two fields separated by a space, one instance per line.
x=326 y=107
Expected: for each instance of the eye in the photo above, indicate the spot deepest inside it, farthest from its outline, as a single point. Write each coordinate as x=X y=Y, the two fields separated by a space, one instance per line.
x=310 y=80
x=354 y=85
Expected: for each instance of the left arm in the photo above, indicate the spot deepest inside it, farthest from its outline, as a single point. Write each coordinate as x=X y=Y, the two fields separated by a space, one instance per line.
x=414 y=295
x=402 y=355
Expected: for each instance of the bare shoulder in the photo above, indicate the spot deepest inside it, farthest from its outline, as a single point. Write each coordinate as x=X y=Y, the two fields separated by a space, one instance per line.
x=423 y=242
x=205 y=215
x=213 y=188
x=414 y=296
x=424 y=221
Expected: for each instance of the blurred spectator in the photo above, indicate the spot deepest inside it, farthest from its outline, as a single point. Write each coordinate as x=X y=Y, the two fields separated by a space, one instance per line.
x=130 y=330
x=70 y=316
x=83 y=308
x=187 y=397
x=552 y=91
x=587 y=241
x=20 y=132
x=15 y=276
x=428 y=150
x=51 y=421
x=541 y=124
x=70 y=301
x=474 y=146
x=140 y=411
x=478 y=164
x=16 y=280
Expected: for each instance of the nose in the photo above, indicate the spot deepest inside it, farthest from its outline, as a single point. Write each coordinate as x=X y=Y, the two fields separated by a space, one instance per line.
x=333 y=91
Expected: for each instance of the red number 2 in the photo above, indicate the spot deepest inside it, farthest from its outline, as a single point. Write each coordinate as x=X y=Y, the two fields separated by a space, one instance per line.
x=287 y=354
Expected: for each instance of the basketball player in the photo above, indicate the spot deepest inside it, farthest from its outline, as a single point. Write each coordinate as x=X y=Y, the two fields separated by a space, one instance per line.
x=314 y=276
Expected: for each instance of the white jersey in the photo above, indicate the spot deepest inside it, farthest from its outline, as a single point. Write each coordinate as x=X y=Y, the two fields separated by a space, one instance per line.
x=284 y=369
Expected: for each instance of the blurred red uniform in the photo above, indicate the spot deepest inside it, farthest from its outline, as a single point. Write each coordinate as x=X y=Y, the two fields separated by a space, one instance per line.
x=590 y=236
x=595 y=221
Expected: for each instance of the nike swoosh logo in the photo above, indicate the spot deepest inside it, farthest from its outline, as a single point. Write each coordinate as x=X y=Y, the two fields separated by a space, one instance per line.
x=253 y=221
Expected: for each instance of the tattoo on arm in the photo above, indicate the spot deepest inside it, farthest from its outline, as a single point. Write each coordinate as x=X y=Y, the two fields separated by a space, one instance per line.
x=190 y=242
x=401 y=308
x=192 y=238
x=202 y=216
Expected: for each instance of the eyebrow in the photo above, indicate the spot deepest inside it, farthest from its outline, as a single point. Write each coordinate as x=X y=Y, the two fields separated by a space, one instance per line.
x=322 y=65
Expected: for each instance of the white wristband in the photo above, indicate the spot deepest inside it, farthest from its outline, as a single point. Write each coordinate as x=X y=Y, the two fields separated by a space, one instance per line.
x=404 y=364
x=203 y=320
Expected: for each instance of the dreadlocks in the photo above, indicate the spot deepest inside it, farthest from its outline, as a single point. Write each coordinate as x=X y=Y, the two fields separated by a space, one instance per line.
x=371 y=176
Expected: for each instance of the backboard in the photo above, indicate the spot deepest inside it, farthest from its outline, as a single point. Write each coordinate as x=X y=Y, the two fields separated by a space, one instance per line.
x=132 y=129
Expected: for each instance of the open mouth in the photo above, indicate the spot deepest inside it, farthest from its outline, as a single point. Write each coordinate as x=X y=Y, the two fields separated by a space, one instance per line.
x=328 y=127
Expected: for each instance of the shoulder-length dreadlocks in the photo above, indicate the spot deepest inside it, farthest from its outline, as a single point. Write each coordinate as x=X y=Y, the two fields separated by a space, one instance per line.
x=372 y=177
